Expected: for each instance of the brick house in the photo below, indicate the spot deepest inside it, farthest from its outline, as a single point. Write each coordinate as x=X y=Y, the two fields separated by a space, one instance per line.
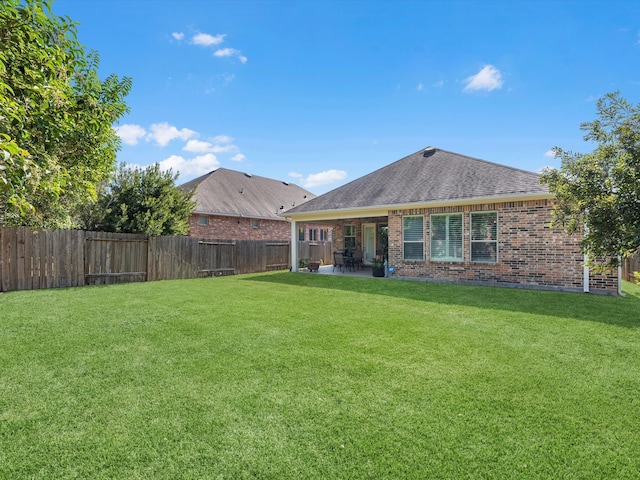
x=441 y=216
x=233 y=205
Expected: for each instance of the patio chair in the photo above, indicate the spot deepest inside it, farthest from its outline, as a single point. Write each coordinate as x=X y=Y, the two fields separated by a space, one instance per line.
x=338 y=261
x=357 y=259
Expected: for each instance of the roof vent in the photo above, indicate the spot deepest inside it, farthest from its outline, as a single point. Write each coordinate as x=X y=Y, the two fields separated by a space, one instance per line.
x=248 y=175
x=428 y=152
x=286 y=183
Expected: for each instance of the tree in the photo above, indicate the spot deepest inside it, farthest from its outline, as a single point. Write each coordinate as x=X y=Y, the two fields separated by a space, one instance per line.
x=598 y=193
x=57 y=141
x=141 y=201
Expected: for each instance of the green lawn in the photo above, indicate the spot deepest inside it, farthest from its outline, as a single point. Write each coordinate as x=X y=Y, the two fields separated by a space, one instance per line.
x=303 y=376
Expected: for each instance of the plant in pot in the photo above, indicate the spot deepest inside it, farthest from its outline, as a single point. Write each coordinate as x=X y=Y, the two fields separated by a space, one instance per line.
x=377 y=267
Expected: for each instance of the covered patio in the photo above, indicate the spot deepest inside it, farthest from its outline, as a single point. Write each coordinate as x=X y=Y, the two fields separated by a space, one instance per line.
x=367 y=236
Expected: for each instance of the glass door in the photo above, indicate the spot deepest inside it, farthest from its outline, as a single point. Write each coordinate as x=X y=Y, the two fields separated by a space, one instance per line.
x=369 y=242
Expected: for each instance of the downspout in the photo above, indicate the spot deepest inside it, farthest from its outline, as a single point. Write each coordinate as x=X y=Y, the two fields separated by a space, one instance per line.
x=585 y=275
x=585 y=268
x=294 y=246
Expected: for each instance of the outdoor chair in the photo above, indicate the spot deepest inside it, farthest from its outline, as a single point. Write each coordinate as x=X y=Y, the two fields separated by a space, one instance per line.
x=338 y=261
x=357 y=259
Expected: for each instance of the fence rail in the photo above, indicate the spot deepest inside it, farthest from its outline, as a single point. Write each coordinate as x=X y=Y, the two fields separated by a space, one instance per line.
x=36 y=259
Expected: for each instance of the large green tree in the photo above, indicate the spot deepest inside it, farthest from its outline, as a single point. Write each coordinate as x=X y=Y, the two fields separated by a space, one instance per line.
x=141 y=201
x=598 y=193
x=57 y=142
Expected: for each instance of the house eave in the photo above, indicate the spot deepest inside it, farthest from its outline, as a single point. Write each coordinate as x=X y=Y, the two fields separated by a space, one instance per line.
x=279 y=218
x=383 y=210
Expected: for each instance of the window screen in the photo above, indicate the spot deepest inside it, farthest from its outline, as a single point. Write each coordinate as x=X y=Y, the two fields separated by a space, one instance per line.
x=413 y=238
x=484 y=237
x=446 y=237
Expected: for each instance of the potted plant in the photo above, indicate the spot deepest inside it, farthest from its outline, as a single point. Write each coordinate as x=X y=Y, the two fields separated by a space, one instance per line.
x=377 y=267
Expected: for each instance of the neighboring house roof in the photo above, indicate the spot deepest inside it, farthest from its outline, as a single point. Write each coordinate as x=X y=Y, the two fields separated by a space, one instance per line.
x=231 y=193
x=429 y=176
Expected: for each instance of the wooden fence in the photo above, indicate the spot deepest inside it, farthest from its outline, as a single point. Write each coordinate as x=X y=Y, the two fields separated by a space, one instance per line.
x=35 y=259
x=630 y=265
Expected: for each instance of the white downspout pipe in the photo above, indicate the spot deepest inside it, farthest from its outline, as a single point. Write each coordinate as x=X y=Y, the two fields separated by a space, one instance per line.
x=294 y=246
x=585 y=268
x=585 y=275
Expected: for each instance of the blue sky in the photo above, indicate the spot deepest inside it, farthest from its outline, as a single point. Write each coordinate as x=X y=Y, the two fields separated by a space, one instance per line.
x=320 y=93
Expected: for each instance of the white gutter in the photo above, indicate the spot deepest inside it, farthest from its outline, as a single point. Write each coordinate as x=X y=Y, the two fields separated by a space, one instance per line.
x=382 y=210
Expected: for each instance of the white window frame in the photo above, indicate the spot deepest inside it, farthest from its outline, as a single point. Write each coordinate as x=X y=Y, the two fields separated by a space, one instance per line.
x=313 y=234
x=413 y=241
x=473 y=241
x=447 y=240
x=255 y=223
x=203 y=220
x=352 y=243
x=324 y=234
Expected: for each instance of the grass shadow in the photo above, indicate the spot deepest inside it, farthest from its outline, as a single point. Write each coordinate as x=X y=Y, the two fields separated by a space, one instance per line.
x=619 y=311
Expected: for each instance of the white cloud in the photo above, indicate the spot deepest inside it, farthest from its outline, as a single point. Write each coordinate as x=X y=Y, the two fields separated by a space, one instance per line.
x=489 y=78
x=190 y=168
x=222 y=139
x=130 y=134
x=550 y=153
x=163 y=133
x=323 y=178
x=230 y=52
x=178 y=35
x=238 y=157
x=198 y=146
x=420 y=87
x=206 y=40
x=439 y=84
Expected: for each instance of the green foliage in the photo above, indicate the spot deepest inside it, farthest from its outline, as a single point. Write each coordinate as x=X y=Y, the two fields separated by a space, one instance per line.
x=636 y=275
x=599 y=193
x=141 y=201
x=56 y=117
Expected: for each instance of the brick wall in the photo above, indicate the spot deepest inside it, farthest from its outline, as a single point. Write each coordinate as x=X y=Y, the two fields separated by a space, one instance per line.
x=530 y=253
x=234 y=228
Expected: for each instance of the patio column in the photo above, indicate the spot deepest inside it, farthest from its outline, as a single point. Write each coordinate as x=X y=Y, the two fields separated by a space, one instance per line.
x=294 y=246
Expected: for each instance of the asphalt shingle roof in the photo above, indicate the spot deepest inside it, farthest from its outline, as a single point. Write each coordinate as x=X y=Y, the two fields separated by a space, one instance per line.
x=232 y=193
x=430 y=175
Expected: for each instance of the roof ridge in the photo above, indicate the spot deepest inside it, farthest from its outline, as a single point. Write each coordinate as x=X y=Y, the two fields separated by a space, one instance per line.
x=502 y=165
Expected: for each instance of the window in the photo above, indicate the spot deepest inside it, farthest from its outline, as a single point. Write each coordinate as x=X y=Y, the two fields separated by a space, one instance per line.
x=446 y=237
x=484 y=237
x=350 y=237
x=301 y=234
x=202 y=220
x=313 y=234
x=255 y=223
x=324 y=234
x=413 y=238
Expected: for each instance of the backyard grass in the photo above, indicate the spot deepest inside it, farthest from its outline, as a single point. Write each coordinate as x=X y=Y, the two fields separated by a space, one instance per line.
x=304 y=376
